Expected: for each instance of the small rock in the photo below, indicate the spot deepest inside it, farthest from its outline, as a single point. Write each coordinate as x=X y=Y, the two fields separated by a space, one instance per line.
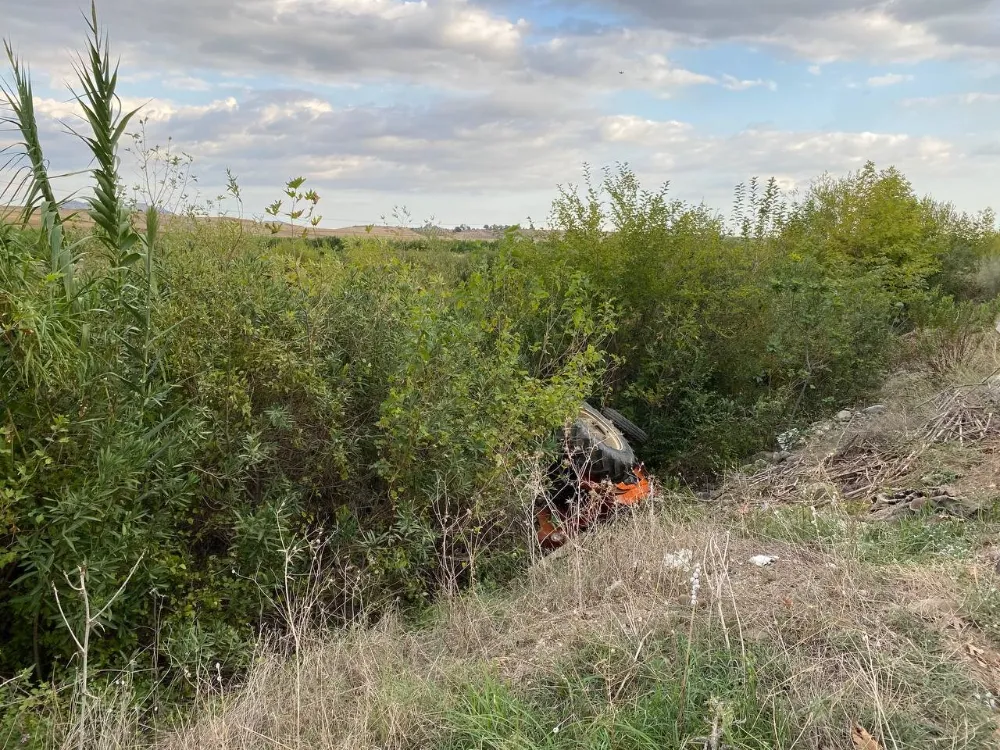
x=908 y=502
x=844 y=416
x=791 y=439
x=822 y=429
x=918 y=503
x=875 y=409
x=762 y=561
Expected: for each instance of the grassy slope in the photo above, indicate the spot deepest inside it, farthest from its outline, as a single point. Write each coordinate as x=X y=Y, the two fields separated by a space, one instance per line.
x=859 y=626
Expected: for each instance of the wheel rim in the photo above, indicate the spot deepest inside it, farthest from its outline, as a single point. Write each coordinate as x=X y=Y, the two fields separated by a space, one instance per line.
x=609 y=433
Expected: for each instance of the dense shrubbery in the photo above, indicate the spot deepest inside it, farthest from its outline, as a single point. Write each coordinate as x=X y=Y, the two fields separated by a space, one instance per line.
x=360 y=399
x=727 y=332
x=224 y=410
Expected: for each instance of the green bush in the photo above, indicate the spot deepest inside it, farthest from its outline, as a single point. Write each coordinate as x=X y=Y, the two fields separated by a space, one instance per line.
x=728 y=333
x=297 y=395
x=224 y=412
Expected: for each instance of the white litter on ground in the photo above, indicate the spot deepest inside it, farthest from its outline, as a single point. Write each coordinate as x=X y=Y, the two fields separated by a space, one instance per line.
x=680 y=560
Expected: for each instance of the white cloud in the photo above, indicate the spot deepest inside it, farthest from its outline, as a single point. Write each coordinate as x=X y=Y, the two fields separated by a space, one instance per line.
x=795 y=154
x=187 y=83
x=888 y=79
x=633 y=129
x=497 y=110
x=156 y=110
x=475 y=29
x=611 y=61
x=867 y=35
x=967 y=98
x=451 y=44
x=735 y=84
x=448 y=41
x=447 y=157
x=829 y=30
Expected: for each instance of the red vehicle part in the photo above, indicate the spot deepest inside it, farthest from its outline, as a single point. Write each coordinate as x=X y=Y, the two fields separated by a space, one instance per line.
x=597 y=500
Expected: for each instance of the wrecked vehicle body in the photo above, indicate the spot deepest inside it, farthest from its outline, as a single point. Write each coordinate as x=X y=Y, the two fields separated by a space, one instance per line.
x=597 y=476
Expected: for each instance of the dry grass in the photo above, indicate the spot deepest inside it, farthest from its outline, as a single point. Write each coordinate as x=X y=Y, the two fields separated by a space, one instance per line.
x=848 y=641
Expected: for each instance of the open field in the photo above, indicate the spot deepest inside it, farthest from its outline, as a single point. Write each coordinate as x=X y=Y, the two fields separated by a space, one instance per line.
x=80 y=220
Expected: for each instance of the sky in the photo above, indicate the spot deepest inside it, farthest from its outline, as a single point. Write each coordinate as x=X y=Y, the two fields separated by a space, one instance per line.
x=474 y=111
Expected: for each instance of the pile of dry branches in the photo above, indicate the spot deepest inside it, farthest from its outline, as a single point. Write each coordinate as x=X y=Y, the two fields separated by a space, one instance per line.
x=965 y=413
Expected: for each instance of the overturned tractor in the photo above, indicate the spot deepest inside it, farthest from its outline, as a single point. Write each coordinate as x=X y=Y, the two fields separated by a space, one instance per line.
x=597 y=475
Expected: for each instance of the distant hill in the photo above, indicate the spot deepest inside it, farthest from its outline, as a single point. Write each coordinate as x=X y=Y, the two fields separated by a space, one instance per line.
x=75 y=213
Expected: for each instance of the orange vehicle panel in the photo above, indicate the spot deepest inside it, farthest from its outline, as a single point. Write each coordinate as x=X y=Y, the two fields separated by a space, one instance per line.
x=554 y=526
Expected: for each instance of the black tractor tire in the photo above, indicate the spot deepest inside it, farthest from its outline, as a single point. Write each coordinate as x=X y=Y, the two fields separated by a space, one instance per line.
x=598 y=447
x=627 y=427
